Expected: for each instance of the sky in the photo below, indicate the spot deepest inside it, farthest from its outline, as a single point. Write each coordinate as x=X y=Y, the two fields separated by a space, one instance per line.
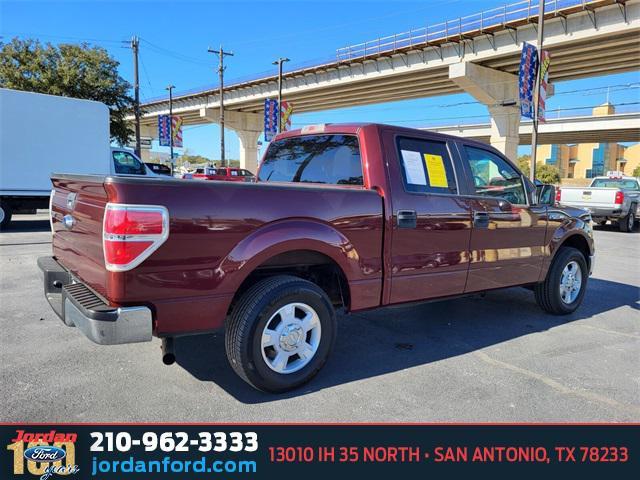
x=175 y=36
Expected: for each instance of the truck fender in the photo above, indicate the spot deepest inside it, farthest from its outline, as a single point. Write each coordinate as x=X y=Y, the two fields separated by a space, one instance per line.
x=286 y=236
x=572 y=235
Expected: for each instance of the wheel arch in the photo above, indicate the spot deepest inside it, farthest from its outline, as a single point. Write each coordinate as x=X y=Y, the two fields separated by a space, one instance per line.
x=305 y=248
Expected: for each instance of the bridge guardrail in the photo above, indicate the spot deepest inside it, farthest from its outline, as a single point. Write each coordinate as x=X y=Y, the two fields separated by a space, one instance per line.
x=457 y=28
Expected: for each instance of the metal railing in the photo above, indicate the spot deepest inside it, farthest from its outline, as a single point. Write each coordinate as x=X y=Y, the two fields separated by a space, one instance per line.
x=456 y=29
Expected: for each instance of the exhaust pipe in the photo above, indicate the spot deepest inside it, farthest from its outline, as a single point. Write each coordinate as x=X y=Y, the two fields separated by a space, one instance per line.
x=168 y=355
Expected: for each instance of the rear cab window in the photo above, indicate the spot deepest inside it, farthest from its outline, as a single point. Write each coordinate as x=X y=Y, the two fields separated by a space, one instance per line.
x=625 y=184
x=332 y=159
x=426 y=166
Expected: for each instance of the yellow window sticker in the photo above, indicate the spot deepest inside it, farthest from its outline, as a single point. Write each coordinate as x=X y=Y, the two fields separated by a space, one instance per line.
x=436 y=171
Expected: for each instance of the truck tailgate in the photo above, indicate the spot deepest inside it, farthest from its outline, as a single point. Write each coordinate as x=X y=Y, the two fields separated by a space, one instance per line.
x=588 y=196
x=77 y=210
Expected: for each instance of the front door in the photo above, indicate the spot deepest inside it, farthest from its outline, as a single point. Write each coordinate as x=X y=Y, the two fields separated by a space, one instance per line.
x=431 y=222
x=508 y=236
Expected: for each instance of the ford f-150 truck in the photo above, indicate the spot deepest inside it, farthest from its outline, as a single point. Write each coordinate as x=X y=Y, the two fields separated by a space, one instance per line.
x=349 y=217
x=613 y=197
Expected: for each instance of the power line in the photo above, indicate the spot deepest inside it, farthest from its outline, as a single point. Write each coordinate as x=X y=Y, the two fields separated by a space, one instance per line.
x=62 y=37
x=175 y=55
x=485 y=116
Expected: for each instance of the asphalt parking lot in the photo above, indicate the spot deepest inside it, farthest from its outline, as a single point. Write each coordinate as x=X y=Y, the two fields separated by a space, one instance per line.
x=496 y=358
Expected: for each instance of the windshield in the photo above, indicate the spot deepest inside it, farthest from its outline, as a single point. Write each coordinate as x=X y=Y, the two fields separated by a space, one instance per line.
x=626 y=184
x=329 y=159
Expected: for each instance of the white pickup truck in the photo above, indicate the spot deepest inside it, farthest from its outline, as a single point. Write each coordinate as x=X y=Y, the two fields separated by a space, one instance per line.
x=613 y=197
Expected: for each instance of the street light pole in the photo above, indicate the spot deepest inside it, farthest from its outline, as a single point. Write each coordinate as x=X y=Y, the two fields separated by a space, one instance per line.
x=221 y=53
x=170 y=88
x=279 y=62
x=536 y=93
x=135 y=44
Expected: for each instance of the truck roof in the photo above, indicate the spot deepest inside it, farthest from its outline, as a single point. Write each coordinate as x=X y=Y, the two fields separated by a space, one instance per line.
x=353 y=128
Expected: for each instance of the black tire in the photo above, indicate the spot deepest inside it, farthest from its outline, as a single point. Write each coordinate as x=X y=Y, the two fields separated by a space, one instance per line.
x=5 y=215
x=628 y=222
x=547 y=293
x=250 y=316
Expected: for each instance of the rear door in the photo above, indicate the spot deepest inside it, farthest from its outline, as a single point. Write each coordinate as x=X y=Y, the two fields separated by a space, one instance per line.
x=508 y=236
x=431 y=221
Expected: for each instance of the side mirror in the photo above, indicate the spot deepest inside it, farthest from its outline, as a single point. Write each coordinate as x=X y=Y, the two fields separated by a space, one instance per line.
x=545 y=195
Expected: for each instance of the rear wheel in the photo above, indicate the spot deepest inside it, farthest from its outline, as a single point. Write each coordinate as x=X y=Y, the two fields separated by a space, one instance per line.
x=5 y=215
x=562 y=291
x=628 y=221
x=280 y=333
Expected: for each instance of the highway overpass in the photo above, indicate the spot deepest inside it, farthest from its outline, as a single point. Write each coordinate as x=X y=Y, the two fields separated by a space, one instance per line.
x=619 y=127
x=481 y=57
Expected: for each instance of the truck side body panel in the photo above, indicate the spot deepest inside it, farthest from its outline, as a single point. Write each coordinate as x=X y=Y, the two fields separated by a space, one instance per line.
x=219 y=232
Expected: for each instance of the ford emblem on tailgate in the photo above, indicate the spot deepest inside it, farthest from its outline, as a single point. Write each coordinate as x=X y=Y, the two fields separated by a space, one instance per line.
x=44 y=454
x=68 y=221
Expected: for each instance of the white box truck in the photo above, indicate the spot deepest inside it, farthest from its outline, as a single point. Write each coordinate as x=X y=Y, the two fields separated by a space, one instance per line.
x=42 y=134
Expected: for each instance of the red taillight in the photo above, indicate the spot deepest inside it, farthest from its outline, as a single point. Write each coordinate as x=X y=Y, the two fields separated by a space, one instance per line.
x=131 y=233
x=619 y=198
x=133 y=222
x=558 y=195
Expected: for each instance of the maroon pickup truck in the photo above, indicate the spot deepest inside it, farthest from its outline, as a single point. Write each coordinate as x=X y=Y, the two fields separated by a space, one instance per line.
x=348 y=217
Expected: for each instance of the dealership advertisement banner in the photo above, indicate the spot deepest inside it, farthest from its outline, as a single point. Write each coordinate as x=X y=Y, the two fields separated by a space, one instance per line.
x=544 y=83
x=270 y=119
x=286 y=109
x=118 y=451
x=527 y=78
x=164 y=132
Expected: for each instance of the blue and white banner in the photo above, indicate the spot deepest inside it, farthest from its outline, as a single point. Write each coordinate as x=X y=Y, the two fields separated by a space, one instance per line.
x=527 y=78
x=270 y=119
x=164 y=131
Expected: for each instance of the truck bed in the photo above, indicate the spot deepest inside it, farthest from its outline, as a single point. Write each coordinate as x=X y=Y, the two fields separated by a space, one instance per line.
x=218 y=231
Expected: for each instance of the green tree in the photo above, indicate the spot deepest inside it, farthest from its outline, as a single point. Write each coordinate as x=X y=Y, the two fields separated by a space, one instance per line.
x=79 y=71
x=636 y=171
x=547 y=173
x=524 y=162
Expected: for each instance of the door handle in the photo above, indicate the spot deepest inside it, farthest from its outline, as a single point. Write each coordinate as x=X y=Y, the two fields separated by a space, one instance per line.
x=407 y=219
x=481 y=219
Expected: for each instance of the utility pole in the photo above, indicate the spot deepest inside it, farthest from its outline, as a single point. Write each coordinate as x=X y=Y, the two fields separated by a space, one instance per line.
x=536 y=93
x=170 y=88
x=279 y=62
x=221 y=53
x=135 y=44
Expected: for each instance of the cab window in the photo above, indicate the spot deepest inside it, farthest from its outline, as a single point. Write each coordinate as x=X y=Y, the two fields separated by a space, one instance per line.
x=494 y=177
x=327 y=159
x=426 y=166
x=126 y=164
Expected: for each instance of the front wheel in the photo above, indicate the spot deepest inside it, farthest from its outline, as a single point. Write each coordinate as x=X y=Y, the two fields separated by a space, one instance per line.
x=280 y=333
x=562 y=291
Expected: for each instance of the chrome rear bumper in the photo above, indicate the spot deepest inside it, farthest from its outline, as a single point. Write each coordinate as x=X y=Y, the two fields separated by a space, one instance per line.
x=77 y=305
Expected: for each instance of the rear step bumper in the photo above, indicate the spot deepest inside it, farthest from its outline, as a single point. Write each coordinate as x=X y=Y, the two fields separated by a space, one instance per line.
x=79 y=306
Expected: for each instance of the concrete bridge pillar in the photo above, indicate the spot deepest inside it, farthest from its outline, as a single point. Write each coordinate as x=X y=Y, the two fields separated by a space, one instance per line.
x=248 y=127
x=249 y=149
x=499 y=92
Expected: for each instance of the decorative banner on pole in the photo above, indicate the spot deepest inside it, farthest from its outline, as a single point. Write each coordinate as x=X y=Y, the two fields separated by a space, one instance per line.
x=176 y=130
x=545 y=59
x=270 y=119
x=286 y=109
x=527 y=78
x=164 y=131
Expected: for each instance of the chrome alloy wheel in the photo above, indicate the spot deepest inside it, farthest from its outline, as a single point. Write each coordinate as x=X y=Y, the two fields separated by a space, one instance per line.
x=291 y=338
x=570 y=282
